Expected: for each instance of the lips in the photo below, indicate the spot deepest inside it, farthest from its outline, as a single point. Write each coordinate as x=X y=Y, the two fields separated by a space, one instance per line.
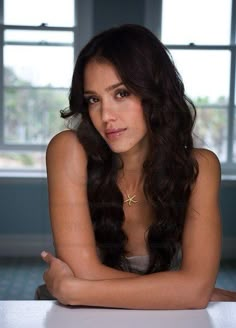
x=111 y=131
x=114 y=134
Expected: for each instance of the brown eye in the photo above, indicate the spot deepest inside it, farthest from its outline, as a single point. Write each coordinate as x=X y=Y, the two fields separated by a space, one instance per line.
x=91 y=100
x=122 y=93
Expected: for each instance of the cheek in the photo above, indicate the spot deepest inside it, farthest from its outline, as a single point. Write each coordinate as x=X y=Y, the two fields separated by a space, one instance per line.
x=96 y=121
x=139 y=119
x=94 y=118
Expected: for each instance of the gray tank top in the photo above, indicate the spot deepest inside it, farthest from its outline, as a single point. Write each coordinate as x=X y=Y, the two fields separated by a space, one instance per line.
x=139 y=263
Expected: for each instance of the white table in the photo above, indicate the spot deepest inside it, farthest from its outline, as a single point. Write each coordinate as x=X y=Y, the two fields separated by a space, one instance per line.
x=50 y=314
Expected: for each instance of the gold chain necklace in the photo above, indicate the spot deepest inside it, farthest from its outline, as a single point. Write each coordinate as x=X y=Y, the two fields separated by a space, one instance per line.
x=130 y=198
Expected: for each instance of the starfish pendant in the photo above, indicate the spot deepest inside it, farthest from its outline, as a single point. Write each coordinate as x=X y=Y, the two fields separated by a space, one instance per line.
x=130 y=200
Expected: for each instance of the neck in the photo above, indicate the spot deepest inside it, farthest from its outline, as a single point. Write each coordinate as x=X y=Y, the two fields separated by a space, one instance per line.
x=131 y=175
x=132 y=171
x=131 y=180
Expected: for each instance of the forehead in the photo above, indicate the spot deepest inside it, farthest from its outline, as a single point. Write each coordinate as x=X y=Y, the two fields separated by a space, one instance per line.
x=100 y=73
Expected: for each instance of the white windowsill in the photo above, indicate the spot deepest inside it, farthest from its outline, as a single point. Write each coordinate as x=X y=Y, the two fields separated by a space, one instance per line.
x=22 y=177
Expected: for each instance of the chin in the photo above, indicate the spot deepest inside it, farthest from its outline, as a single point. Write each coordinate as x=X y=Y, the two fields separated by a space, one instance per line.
x=122 y=148
x=118 y=150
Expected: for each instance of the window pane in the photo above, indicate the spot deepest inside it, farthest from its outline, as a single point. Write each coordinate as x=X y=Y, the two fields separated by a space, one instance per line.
x=19 y=160
x=38 y=36
x=32 y=116
x=199 y=22
x=235 y=85
x=211 y=130
x=38 y=65
x=34 y=12
x=205 y=74
x=234 y=141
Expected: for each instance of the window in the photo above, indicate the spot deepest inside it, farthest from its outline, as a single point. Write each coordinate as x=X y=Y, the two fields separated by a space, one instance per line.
x=200 y=36
x=37 y=50
x=36 y=63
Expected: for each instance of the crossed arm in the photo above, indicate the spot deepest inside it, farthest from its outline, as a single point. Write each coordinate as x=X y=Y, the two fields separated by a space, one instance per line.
x=82 y=280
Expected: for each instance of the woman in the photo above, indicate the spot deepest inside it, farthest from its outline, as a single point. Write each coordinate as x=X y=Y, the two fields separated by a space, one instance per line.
x=133 y=206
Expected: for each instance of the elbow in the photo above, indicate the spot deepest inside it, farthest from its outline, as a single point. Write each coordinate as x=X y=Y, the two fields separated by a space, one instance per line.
x=204 y=299
x=197 y=303
x=194 y=303
x=200 y=303
x=200 y=298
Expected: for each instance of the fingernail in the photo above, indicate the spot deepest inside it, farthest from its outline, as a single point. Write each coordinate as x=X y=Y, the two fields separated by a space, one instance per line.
x=43 y=254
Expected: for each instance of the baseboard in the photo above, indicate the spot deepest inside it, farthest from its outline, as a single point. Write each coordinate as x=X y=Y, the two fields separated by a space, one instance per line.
x=32 y=245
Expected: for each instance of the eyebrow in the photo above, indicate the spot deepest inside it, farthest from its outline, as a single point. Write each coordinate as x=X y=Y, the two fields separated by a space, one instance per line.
x=111 y=87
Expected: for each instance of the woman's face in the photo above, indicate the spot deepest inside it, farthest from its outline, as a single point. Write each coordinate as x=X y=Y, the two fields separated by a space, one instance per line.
x=115 y=112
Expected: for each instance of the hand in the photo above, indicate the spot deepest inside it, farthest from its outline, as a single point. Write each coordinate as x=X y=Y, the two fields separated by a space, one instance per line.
x=222 y=295
x=56 y=275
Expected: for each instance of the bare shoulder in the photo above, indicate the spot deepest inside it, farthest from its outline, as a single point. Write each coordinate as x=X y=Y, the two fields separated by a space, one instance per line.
x=208 y=165
x=65 y=140
x=205 y=156
x=66 y=143
x=206 y=159
x=66 y=153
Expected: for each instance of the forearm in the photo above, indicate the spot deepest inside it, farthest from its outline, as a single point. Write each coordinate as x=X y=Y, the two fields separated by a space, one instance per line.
x=84 y=268
x=166 y=290
x=103 y=272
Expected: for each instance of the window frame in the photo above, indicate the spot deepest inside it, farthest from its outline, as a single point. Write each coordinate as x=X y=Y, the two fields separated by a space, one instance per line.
x=154 y=22
x=83 y=21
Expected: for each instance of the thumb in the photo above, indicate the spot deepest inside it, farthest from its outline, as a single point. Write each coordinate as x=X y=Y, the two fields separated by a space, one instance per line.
x=47 y=257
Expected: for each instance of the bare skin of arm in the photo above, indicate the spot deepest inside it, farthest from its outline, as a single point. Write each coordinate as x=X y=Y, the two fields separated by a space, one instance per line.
x=72 y=229
x=193 y=284
x=201 y=251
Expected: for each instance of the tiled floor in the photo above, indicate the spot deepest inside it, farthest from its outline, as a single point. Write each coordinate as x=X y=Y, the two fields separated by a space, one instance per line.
x=19 y=277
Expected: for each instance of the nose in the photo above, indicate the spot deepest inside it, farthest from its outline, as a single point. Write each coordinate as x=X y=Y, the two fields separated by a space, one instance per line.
x=108 y=112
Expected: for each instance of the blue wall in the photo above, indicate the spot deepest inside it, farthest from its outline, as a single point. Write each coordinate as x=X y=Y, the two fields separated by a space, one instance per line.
x=24 y=207
x=109 y=13
x=228 y=208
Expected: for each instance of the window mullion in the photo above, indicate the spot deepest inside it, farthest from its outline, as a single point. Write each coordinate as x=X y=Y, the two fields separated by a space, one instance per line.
x=231 y=107
x=23 y=147
x=1 y=11
x=25 y=87
x=233 y=23
x=1 y=74
x=39 y=28
x=231 y=120
x=153 y=16
x=84 y=28
x=193 y=46
x=38 y=44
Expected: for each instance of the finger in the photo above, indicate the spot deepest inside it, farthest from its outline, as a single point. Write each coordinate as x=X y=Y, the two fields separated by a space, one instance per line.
x=47 y=257
x=45 y=275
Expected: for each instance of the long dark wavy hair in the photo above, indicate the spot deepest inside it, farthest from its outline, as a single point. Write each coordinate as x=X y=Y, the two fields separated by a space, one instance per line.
x=170 y=170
